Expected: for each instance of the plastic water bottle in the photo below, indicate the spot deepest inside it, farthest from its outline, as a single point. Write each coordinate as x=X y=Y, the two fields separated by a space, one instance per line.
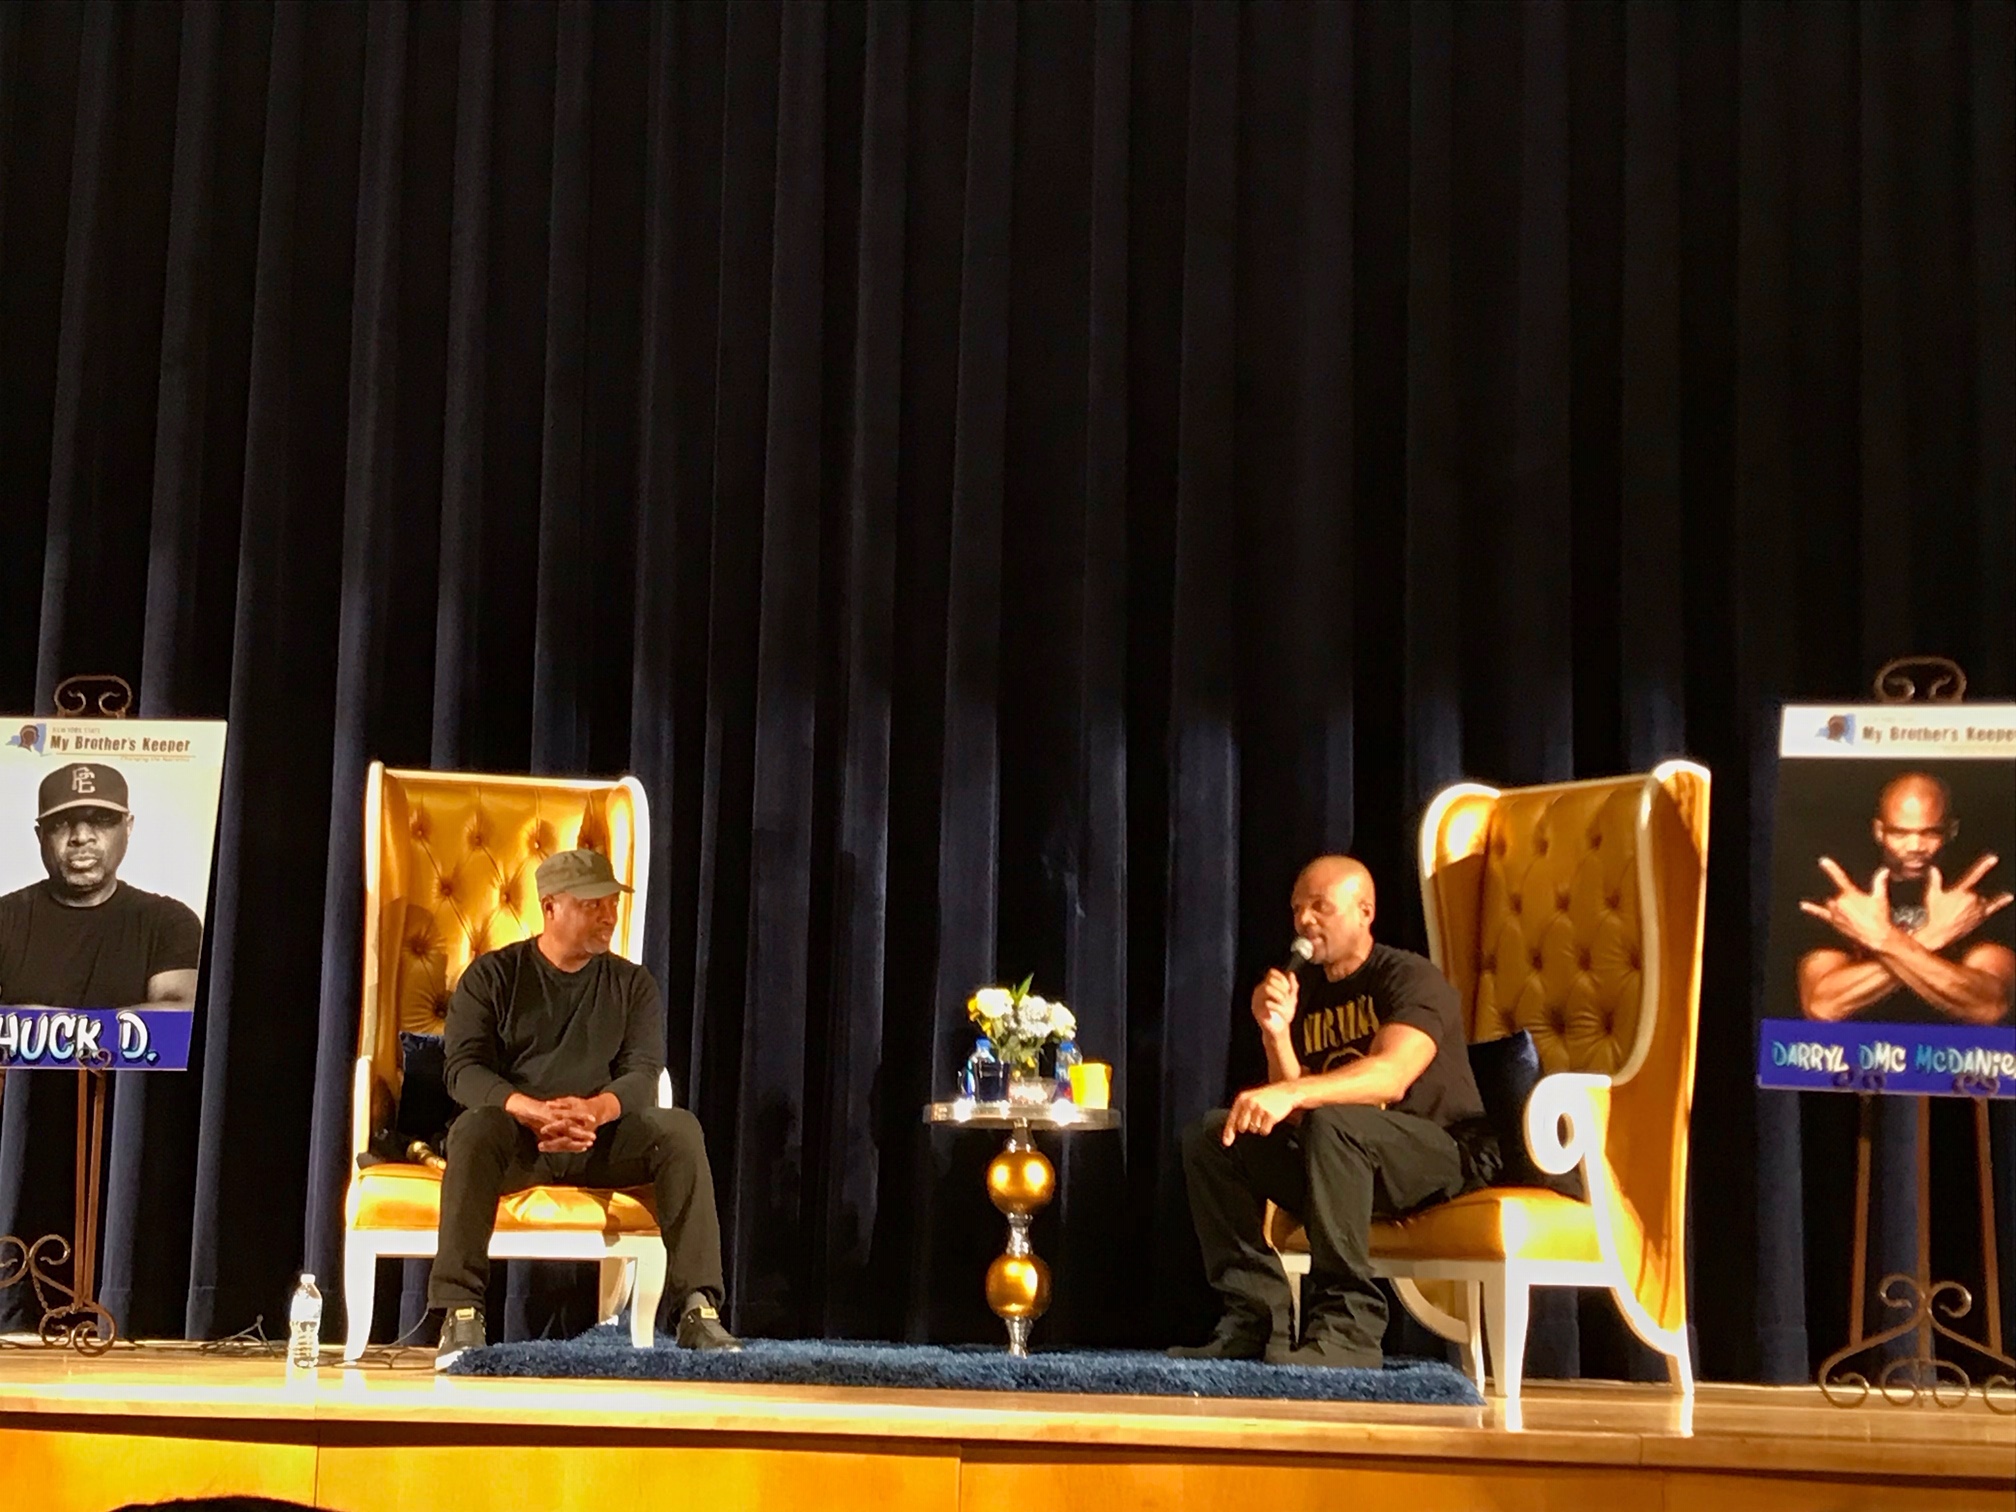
x=1067 y=1056
x=304 y=1327
x=973 y=1076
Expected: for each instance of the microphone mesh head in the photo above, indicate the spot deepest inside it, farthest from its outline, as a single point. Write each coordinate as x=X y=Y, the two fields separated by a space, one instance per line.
x=1301 y=951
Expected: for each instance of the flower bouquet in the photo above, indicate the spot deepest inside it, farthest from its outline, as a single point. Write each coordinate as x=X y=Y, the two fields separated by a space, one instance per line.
x=1021 y=1025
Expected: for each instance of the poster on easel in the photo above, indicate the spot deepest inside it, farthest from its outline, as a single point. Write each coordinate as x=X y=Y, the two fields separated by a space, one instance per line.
x=1891 y=960
x=107 y=833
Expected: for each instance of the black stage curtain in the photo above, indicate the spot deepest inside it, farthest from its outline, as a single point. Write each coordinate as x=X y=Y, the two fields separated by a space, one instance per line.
x=1014 y=480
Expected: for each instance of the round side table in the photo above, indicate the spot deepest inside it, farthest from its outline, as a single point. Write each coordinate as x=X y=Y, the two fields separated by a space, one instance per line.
x=1021 y=1181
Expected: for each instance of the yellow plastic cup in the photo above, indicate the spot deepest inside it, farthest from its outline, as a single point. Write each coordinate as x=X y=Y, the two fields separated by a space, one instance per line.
x=1092 y=1084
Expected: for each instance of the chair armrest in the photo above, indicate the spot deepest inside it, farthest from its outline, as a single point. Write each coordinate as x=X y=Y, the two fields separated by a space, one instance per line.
x=1567 y=1122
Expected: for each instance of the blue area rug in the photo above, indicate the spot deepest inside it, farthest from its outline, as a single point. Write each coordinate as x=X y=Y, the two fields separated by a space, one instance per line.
x=605 y=1354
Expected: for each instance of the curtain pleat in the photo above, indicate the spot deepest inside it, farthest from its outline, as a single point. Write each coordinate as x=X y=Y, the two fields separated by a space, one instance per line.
x=566 y=591
x=1650 y=504
x=1202 y=748
x=254 y=663
x=370 y=520
x=462 y=423
x=844 y=1160
x=779 y=1037
x=1012 y=481
x=1429 y=523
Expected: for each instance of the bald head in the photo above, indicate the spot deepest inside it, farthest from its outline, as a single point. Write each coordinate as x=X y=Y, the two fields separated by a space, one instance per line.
x=1333 y=906
x=1919 y=792
x=1913 y=823
x=1344 y=876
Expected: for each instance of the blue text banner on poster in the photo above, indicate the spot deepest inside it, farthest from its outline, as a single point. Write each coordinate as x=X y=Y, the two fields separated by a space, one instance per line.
x=113 y=1039
x=1938 y=1060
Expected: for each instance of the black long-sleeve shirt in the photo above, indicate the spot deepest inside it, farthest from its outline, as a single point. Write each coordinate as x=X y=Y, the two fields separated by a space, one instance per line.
x=518 y=1023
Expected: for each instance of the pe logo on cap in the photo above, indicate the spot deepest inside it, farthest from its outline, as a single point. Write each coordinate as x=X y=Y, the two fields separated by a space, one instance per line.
x=83 y=784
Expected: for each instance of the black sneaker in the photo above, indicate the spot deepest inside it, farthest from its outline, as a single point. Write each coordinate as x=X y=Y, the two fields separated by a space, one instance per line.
x=1235 y=1339
x=461 y=1331
x=700 y=1328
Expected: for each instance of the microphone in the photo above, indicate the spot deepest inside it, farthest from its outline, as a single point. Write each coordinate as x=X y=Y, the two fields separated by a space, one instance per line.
x=1300 y=954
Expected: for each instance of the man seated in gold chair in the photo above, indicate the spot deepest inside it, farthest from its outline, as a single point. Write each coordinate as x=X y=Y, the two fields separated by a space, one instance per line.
x=554 y=1047
x=1368 y=1070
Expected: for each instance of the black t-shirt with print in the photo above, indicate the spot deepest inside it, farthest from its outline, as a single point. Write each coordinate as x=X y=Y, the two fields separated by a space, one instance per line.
x=1335 y=1022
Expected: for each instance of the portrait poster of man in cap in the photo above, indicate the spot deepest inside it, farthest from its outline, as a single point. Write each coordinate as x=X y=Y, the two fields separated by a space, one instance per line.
x=103 y=885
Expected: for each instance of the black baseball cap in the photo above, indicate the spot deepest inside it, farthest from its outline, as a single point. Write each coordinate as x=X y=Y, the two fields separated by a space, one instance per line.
x=82 y=784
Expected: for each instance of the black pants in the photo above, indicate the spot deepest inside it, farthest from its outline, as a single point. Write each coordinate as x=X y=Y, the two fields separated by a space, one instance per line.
x=1336 y=1170
x=490 y=1154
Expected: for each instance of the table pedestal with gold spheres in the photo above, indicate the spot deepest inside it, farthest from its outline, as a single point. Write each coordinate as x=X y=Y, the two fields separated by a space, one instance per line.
x=1021 y=1181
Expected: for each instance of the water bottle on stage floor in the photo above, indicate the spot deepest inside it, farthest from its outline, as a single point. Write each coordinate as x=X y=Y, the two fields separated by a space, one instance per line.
x=304 y=1328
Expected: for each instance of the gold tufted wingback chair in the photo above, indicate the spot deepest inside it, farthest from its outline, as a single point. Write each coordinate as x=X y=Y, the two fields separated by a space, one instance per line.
x=1573 y=911
x=449 y=859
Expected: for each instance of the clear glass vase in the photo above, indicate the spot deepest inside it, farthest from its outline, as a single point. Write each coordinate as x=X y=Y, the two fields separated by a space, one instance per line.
x=1026 y=1085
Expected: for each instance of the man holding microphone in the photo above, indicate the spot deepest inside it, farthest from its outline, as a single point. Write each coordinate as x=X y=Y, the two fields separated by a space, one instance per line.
x=1367 y=1071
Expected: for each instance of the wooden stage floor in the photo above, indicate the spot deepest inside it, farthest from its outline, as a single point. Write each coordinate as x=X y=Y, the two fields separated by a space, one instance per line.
x=153 y=1422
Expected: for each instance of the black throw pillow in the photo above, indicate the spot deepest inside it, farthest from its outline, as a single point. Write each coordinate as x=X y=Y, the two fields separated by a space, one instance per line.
x=1507 y=1070
x=425 y=1108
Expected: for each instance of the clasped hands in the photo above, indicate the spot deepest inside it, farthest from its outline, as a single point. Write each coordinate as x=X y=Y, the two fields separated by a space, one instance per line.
x=1951 y=913
x=564 y=1125
x=1258 y=1110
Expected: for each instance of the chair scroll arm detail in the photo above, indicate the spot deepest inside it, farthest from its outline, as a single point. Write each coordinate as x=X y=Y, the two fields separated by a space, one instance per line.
x=1567 y=1122
x=1567 y=1119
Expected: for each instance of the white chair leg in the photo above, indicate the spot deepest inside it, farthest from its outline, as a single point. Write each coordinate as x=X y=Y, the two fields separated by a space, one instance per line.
x=644 y=1299
x=360 y=1295
x=612 y=1288
x=1680 y=1369
x=1505 y=1305
x=1473 y=1345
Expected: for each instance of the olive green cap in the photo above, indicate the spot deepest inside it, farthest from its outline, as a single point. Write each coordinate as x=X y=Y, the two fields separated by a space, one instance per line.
x=584 y=873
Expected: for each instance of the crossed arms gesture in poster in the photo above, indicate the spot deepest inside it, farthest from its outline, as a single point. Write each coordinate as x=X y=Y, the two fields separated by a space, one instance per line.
x=1880 y=956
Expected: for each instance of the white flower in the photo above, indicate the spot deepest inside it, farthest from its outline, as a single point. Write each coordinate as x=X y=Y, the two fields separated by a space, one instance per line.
x=991 y=1002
